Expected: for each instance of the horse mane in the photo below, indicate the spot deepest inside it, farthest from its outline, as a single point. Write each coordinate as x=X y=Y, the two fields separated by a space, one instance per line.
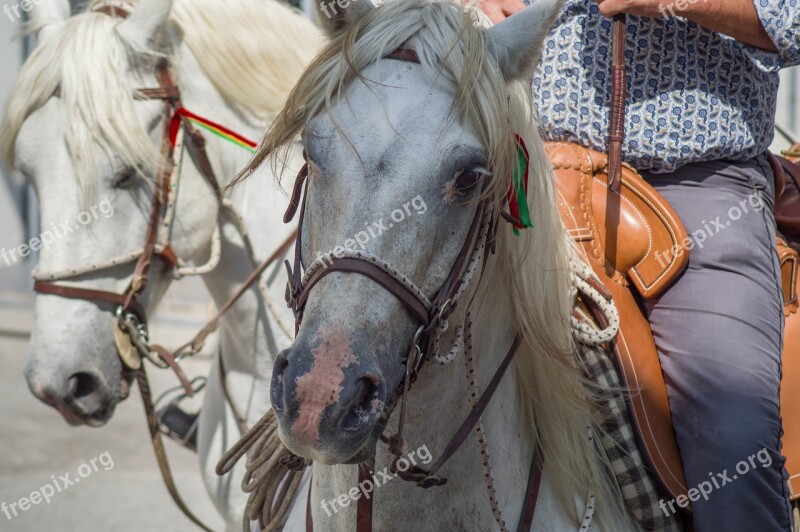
x=253 y=68
x=252 y=50
x=535 y=268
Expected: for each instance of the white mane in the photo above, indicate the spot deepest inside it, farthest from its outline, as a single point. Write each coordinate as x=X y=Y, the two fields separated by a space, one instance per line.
x=252 y=50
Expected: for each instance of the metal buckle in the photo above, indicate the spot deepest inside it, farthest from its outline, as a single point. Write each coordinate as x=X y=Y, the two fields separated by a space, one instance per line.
x=415 y=356
x=137 y=332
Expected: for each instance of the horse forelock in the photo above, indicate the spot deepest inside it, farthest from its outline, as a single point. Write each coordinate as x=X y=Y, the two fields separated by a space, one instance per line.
x=89 y=63
x=451 y=47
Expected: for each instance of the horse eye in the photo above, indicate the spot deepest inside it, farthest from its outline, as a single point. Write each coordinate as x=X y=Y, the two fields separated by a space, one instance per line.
x=125 y=178
x=468 y=179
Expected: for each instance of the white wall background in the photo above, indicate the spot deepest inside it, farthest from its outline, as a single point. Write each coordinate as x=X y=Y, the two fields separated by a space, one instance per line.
x=788 y=114
x=12 y=194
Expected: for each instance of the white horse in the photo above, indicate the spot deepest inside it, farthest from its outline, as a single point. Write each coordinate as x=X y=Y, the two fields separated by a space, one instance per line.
x=74 y=129
x=381 y=133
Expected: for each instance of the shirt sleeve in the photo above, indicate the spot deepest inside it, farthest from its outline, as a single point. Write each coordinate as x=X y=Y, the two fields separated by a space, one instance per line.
x=781 y=19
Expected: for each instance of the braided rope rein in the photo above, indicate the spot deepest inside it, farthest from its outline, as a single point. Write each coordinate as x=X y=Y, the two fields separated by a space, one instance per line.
x=272 y=474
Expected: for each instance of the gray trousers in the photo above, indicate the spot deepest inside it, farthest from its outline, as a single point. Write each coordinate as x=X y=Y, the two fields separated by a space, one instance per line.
x=719 y=332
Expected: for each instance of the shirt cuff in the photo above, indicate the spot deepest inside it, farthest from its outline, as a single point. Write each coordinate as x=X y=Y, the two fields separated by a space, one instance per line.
x=781 y=20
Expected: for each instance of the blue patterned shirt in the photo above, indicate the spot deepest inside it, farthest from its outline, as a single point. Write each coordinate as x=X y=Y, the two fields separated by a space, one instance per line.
x=693 y=95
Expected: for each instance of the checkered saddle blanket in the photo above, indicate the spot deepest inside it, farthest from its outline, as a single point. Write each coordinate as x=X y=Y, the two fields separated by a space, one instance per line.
x=638 y=486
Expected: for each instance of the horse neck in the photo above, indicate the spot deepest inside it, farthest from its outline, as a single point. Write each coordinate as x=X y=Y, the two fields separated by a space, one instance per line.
x=246 y=328
x=437 y=405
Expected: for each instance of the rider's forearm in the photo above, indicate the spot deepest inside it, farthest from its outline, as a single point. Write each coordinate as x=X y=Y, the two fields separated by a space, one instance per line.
x=736 y=18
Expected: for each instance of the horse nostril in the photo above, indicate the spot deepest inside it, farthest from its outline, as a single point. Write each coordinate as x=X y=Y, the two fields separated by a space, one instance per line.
x=366 y=405
x=277 y=386
x=81 y=385
x=85 y=393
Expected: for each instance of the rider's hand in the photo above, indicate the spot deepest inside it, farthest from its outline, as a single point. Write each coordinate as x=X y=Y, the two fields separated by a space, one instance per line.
x=498 y=10
x=643 y=8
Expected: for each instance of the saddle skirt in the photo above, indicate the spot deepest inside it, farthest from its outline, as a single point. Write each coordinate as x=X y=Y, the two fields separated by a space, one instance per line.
x=787 y=216
x=634 y=243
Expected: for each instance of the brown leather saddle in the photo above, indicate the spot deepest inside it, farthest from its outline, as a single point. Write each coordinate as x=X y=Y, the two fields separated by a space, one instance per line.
x=632 y=240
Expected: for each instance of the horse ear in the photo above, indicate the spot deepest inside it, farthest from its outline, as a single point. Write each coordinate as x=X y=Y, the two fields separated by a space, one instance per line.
x=146 y=28
x=333 y=16
x=47 y=17
x=516 y=42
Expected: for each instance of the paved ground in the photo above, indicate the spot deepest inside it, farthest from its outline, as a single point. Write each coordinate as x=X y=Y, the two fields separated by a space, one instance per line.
x=37 y=446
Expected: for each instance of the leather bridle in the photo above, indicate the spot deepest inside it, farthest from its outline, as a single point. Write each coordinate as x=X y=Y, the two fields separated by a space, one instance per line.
x=127 y=305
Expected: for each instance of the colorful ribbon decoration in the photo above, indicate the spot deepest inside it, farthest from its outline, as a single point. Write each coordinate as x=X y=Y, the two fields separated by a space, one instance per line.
x=219 y=130
x=518 y=191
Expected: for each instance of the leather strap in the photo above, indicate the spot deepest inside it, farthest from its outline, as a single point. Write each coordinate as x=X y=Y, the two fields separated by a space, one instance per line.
x=309 y=517
x=532 y=493
x=161 y=93
x=364 y=507
x=159 y=450
x=403 y=54
x=142 y=269
x=616 y=122
x=471 y=420
x=88 y=294
x=113 y=11
x=167 y=357
x=367 y=269
x=197 y=151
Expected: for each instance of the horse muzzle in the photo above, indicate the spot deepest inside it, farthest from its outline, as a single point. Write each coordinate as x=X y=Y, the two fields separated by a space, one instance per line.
x=84 y=398
x=328 y=400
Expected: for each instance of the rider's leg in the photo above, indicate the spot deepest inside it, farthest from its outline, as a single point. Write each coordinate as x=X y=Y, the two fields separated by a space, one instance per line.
x=718 y=330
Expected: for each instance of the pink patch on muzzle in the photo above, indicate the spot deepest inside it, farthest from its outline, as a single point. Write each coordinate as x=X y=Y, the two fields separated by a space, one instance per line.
x=322 y=385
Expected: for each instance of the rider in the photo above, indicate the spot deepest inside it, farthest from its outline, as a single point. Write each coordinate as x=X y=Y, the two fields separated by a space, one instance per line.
x=702 y=87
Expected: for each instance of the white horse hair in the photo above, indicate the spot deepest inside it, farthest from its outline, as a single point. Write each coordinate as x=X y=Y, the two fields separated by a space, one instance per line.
x=234 y=63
